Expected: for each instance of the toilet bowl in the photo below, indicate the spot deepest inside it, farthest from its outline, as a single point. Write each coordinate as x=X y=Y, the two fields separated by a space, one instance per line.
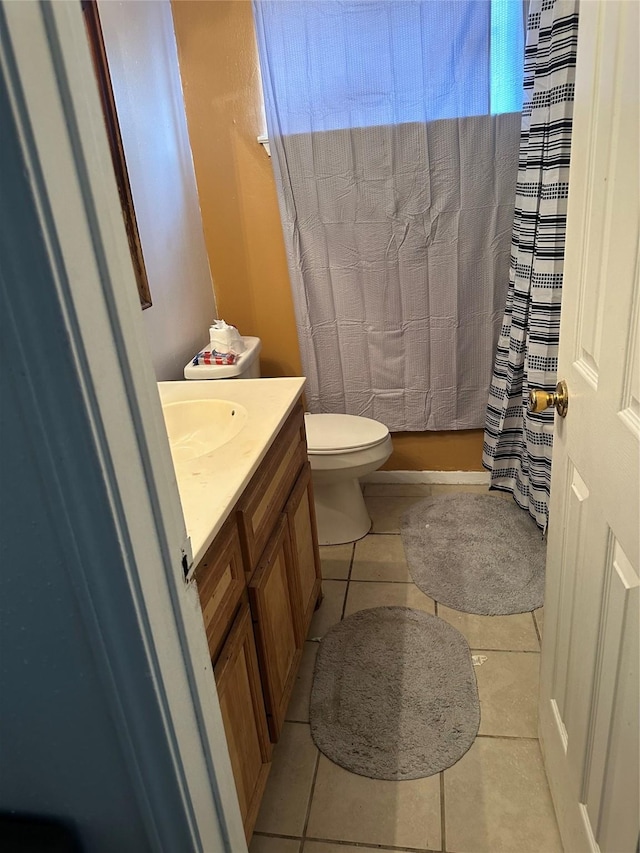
x=341 y=449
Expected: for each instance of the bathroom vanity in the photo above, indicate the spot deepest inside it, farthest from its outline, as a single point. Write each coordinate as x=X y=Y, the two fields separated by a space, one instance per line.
x=257 y=565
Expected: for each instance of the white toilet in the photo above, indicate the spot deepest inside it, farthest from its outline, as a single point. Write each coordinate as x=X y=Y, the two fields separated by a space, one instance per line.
x=343 y=448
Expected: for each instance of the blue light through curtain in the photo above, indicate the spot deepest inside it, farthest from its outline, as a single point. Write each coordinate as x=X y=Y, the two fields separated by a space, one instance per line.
x=394 y=128
x=518 y=444
x=342 y=64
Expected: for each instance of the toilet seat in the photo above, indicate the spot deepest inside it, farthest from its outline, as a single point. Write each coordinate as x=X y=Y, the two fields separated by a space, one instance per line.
x=343 y=448
x=329 y=434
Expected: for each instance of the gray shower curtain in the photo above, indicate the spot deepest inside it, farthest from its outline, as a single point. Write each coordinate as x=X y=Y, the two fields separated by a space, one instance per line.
x=394 y=129
x=518 y=444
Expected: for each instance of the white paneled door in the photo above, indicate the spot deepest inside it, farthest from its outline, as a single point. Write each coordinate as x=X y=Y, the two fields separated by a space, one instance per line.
x=589 y=717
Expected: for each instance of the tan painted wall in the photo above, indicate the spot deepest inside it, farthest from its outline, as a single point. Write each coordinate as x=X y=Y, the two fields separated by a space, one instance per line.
x=219 y=67
x=459 y=450
x=220 y=78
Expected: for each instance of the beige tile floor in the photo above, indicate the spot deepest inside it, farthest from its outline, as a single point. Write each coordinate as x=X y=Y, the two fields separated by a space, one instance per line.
x=494 y=800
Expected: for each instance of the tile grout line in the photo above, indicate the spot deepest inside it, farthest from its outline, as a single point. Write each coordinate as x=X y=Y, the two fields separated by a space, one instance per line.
x=258 y=834
x=346 y=591
x=505 y=651
x=311 y=793
x=383 y=533
x=443 y=825
x=364 y=845
x=369 y=580
x=508 y=737
x=535 y=628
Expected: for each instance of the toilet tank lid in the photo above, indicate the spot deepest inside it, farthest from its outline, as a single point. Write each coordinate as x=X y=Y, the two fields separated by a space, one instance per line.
x=332 y=433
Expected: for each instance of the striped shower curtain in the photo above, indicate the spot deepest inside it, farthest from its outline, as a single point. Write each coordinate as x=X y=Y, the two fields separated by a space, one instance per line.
x=517 y=443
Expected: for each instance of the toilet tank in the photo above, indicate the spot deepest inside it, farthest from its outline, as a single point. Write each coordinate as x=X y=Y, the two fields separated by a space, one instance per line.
x=247 y=366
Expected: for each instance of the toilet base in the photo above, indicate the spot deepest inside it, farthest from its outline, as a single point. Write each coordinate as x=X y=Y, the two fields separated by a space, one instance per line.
x=341 y=512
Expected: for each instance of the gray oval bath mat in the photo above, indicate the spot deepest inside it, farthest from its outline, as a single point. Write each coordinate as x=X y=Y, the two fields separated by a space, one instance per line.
x=475 y=553
x=394 y=694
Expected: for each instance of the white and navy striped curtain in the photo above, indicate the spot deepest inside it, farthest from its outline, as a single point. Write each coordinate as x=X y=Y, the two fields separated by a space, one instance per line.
x=518 y=444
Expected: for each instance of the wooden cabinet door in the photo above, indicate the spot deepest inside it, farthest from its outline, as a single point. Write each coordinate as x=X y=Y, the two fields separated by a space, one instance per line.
x=243 y=713
x=265 y=496
x=303 y=535
x=221 y=582
x=273 y=605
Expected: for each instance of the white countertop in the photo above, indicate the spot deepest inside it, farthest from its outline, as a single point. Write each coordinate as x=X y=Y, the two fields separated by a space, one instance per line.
x=210 y=485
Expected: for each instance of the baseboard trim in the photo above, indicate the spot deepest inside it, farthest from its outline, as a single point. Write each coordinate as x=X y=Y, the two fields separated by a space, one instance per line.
x=467 y=478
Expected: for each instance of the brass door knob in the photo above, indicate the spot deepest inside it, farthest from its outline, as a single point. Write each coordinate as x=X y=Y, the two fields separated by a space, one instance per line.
x=540 y=400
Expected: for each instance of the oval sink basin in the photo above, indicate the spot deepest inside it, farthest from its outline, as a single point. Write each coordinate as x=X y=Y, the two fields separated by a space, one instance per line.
x=197 y=427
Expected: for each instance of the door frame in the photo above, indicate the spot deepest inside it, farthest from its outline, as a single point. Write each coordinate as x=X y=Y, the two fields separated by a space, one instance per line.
x=45 y=61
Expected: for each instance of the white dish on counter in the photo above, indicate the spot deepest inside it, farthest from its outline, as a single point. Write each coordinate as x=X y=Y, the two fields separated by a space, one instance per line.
x=210 y=482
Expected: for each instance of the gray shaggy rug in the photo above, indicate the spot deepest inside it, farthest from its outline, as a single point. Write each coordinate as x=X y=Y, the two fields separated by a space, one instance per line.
x=394 y=694
x=475 y=553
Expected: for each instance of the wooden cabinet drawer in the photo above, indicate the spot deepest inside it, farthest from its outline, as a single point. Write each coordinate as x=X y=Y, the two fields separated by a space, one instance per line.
x=243 y=714
x=303 y=535
x=221 y=582
x=273 y=605
x=266 y=494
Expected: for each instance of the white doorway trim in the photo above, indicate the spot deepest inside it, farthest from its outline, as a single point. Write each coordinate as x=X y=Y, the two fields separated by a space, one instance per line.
x=45 y=61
